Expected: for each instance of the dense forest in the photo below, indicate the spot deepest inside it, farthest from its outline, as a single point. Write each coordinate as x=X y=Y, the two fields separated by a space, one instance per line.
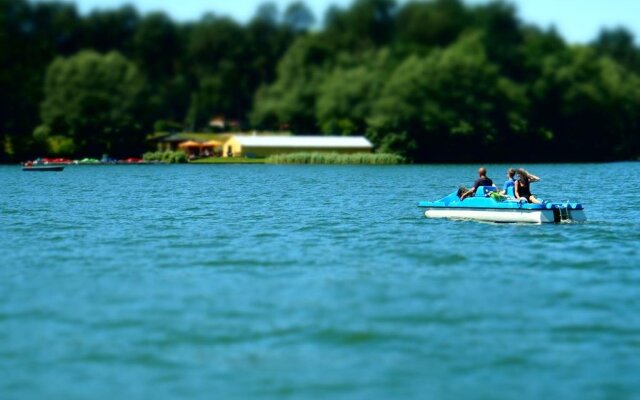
x=435 y=81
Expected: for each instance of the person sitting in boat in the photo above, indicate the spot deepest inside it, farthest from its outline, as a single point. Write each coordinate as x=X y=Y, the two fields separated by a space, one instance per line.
x=509 y=183
x=522 y=188
x=481 y=181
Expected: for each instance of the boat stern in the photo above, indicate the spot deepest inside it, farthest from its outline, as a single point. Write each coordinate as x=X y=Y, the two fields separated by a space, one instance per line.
x=566 y=211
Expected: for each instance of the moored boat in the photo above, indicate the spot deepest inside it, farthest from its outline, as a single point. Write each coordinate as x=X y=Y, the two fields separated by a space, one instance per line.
x=488 y=206
x=46 y=168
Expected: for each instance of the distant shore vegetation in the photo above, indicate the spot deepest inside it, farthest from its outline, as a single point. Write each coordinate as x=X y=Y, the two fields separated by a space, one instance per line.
x=179 y=157
x=431 y=81
x=336 y=158
x=169 y=157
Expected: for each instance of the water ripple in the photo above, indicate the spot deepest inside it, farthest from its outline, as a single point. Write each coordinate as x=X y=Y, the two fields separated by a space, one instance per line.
x=311 y=282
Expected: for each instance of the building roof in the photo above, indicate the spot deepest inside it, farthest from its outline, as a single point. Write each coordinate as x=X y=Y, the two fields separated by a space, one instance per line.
x=334 y=142
x=197 y=137
x=189 y=143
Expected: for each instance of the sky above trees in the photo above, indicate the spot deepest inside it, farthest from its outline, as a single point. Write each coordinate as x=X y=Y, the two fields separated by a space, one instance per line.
x=576 y=20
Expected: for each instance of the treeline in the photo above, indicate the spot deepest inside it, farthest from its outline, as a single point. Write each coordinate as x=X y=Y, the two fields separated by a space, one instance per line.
x=432 y=81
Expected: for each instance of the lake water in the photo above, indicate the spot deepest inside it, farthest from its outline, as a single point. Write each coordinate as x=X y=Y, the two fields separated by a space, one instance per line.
x=264 y=281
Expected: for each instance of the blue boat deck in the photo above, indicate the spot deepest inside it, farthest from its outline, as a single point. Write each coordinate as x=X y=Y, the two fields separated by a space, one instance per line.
x=483 y=200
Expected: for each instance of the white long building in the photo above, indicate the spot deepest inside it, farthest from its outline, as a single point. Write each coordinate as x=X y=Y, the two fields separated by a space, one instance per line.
x=264 y=146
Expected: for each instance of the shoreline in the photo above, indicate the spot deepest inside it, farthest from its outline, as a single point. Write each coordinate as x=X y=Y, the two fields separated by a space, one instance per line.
x=255 y=161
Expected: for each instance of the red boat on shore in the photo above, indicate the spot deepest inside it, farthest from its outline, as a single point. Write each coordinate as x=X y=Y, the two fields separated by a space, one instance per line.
x=53 y=161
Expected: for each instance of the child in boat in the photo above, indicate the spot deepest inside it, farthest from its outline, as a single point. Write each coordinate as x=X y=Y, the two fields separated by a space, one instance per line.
x=522 y=188
x=511 y=173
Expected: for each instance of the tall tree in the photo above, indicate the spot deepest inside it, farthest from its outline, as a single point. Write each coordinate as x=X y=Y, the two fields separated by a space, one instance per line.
x=590 y=104
x=503 y=37
x=367 y=23
x=619 y=44
x=281 y=70
x=156 y=46
x=429 y=24
x=451 y=105
x=345 y=96
x=106 y=30
x=30 y=36
x=298 y=17
x=290 y=100
x=95 y=100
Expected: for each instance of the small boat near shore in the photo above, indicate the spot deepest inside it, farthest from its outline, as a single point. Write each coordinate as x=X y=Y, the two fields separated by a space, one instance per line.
x=488 y=206
x=43 y=168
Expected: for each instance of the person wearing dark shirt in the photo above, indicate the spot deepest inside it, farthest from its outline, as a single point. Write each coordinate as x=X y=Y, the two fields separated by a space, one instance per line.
x=522 y=187
x=483 y=180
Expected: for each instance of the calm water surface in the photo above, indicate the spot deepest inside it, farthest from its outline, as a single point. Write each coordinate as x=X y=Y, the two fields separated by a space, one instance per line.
x=240 y=281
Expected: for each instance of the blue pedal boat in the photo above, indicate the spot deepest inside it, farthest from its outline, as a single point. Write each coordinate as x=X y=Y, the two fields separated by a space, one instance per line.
x=485 y=207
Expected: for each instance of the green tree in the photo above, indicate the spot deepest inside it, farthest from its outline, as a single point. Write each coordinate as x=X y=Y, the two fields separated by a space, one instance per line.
x=96 y=101
x=619 y=44
x=503 y=36
x=298 y=17
x=212 y=99
x=106 y=30
x=590 y=103
x=156 y=46
x=213 y=41
x=537 y=46
x=30 y=36
x=367 y=23
x=227 y=62
x=267 y=12
x=346 y=96
x=428 y=24
x=265 y=42
x=465 y=94
x=291 y=100
x=451 y=105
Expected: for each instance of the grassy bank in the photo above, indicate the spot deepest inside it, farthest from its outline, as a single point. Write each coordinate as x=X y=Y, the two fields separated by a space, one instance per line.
x=293 y=158
x=169 y=157
x=336 y=158
x=228 y=160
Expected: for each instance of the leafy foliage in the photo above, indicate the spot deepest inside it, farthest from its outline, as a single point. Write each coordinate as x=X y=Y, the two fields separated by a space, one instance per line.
x=169 y=157
x=452 y=101
x=95 y=100
x=435 y=80
x=336 y=158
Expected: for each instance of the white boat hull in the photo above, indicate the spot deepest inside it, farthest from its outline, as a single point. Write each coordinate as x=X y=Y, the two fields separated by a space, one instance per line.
x=502 y=215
